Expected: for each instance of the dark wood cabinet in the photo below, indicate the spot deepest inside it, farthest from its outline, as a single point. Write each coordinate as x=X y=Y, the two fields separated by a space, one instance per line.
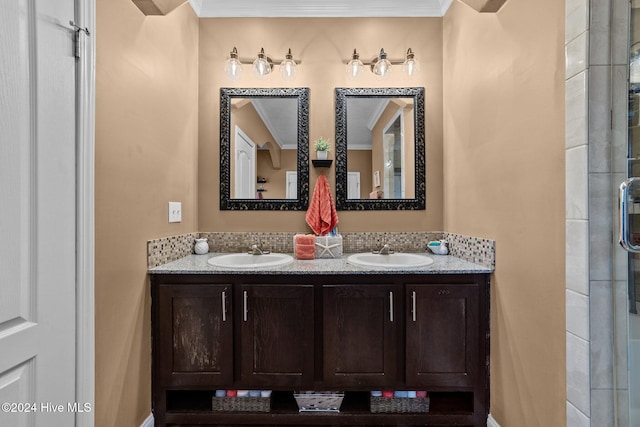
x=442 y=334
x=194 y=335
x=361 y=328
x=276 y=335
x=348 y=332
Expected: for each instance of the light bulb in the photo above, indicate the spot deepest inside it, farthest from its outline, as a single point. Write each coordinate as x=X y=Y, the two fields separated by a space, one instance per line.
x=410 y=65
x=262 y=65
x=381 y=66
x=288 y=67
x=232 y=66
x=355 y=67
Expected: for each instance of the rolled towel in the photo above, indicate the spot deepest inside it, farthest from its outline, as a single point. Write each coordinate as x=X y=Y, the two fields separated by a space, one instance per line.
x=304 y=246
x=305 y=252
x=305 y=239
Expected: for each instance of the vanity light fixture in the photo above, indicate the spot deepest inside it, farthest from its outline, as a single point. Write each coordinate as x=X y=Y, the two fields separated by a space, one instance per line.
x=410 y=64
x=288 y=67
x=233 y=66
x=355 y=67
x=381 y=66
x=262 y=66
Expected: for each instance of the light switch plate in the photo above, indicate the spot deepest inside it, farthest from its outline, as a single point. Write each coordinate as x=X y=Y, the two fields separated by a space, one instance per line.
x=175 y=211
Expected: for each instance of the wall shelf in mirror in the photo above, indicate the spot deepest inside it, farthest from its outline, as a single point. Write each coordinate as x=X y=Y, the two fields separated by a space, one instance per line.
x=380 y=149
x=264 y=132
x=322 y=163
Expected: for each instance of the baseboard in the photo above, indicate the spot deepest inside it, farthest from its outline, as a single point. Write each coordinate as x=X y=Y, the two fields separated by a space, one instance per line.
x=150 y=421
x=492 y=422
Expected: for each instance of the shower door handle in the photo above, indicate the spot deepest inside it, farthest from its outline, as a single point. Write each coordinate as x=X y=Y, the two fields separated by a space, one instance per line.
x=624 y=232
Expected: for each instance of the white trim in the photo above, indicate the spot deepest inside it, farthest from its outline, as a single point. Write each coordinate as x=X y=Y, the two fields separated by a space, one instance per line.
x=196 y=5
x=148 y=422
x=260 y=109
x=291 y=177
x=491 y=422
x=85 y=240
x=236 y=174
x=375 y=116
x=444 y=6
x=319 y=8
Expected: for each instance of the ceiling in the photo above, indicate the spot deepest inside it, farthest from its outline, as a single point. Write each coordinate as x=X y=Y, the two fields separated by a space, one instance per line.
x=320 y=8
x=279 y=116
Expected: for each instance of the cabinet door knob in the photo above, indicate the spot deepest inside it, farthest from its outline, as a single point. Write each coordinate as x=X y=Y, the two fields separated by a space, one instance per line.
x=391 y=306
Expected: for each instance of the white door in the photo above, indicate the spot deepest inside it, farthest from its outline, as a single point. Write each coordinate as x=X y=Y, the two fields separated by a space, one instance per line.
x=245 y=166
x=353 y=185
x=292 y=185
x=38 y=215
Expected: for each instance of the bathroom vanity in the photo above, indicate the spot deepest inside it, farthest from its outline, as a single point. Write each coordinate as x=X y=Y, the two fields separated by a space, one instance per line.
x=320 y=325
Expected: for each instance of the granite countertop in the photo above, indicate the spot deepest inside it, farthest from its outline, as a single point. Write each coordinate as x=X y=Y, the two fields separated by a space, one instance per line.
x=197 y=264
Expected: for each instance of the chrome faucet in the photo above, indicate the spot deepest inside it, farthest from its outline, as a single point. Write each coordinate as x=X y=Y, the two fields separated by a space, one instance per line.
x=384 y=250
x=256 y=249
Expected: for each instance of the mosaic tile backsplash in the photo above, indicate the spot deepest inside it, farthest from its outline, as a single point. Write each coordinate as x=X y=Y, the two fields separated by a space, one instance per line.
x=472 y=249
x=167 y=249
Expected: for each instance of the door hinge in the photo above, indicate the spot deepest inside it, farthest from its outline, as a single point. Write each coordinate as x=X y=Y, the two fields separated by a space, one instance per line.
x=76 y=37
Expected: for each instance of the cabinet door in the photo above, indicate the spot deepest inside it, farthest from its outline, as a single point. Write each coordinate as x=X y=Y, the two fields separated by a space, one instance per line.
x=442 y=335
x=360 y=335
x=277 y=335
x=195 y=335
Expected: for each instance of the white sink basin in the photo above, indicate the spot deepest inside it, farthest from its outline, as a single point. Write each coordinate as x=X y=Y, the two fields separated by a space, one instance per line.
x=395 y=260
x=246 y=261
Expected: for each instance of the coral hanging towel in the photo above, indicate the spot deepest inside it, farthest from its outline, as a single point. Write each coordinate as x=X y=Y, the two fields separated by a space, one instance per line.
x=321 y=215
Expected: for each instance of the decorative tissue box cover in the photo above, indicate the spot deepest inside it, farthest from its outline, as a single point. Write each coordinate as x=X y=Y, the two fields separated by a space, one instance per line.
x=329 y=246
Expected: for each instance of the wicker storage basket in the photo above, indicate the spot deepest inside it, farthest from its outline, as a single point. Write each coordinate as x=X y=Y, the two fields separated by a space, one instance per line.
x=241 y=404
x=395 y=404
x=319 y=401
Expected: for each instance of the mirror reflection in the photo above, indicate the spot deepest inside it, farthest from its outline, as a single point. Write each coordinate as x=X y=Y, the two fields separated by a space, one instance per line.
x=264 y=149
x=380 y=148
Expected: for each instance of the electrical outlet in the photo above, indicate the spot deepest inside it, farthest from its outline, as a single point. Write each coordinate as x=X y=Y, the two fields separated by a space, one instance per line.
x=175 y=211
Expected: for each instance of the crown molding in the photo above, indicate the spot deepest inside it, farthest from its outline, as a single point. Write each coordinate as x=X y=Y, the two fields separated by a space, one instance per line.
x=320 y=8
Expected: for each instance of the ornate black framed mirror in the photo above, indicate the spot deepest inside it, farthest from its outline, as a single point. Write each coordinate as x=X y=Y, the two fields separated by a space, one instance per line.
x=380 y=149
x=264 y=149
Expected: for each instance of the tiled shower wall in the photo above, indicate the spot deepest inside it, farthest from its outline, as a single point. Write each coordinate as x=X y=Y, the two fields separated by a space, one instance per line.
x=596 y=68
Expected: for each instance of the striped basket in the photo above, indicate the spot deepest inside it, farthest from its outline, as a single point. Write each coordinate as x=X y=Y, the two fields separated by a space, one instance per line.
x=398 y=405
x=241 y=404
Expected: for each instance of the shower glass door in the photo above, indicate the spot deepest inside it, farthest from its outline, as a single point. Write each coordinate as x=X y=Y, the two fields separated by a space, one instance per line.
x=630 y=221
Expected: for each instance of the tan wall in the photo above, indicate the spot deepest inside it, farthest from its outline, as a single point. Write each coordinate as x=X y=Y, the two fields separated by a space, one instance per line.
x=360 y=161
x=276 y=185
x=249 y=121
x=315 y=41
x=146 y=149
x=504 y=179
